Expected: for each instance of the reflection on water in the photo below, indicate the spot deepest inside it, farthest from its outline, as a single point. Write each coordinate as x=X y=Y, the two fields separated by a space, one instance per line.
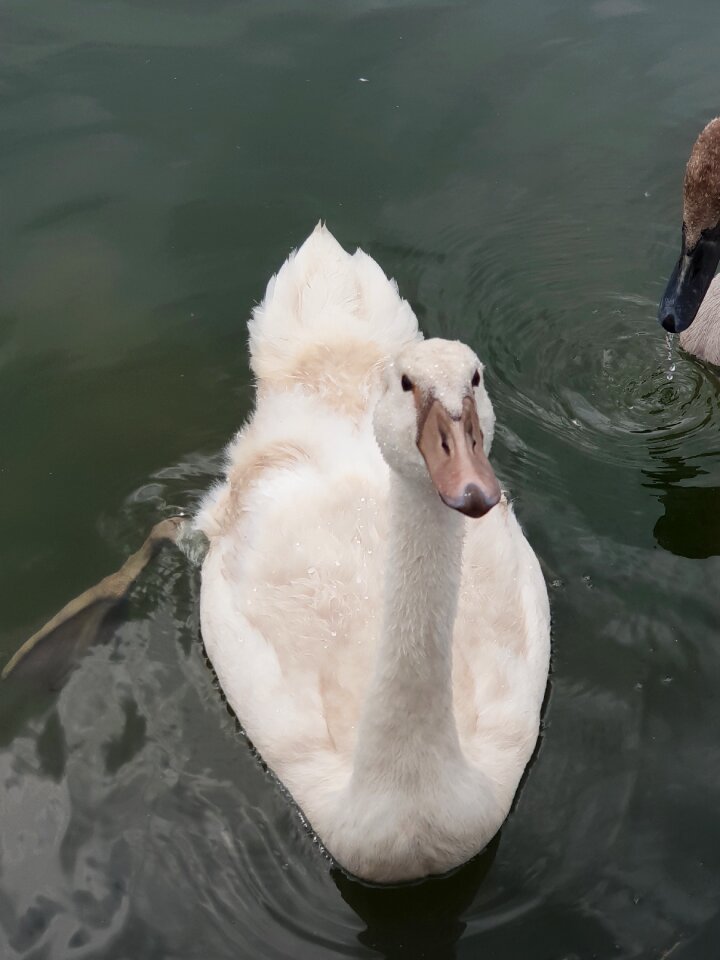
x=690 y=525
x=519 y=172
x=686 y=472
x=417 y=920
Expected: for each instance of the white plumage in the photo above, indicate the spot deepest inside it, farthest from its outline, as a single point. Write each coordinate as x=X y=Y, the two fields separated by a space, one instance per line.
x=386 y=655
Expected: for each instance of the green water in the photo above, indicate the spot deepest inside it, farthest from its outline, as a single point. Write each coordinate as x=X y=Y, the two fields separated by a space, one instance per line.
x=517 y=167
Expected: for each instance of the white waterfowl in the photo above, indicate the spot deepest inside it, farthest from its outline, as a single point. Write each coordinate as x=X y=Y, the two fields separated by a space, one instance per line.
x=386 y=654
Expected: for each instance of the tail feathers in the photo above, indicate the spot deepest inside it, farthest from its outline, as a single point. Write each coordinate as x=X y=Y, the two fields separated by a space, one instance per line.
x=322 y=308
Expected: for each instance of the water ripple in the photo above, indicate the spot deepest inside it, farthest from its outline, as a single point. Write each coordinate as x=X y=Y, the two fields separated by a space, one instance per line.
x=618 y=396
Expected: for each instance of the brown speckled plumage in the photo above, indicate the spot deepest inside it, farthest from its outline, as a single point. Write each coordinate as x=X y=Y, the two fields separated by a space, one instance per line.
x=701 y=206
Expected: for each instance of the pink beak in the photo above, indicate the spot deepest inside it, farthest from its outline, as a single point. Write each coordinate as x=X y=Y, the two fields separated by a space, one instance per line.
x=453 y=451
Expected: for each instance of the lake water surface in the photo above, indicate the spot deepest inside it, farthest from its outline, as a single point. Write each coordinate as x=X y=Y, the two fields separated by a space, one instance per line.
x=517 y=167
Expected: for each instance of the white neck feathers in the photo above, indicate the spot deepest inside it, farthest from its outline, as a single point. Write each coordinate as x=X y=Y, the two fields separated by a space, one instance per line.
x=407 y=735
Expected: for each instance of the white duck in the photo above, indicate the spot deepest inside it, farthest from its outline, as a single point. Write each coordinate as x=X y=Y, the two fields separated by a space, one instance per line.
x=386 y=655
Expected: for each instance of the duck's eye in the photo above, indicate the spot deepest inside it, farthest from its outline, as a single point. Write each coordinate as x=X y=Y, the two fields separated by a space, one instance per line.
x=476 y=379
x=406 y=382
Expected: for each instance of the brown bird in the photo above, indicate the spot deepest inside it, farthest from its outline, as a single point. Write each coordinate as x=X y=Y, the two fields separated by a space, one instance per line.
x=691 y=303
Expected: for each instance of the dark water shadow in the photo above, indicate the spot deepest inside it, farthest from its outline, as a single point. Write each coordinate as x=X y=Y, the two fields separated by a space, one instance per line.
x=34 y=684
x=690 y=525
x=423 y=919
x=50 y=662
x=689 y=486
x=30 y=693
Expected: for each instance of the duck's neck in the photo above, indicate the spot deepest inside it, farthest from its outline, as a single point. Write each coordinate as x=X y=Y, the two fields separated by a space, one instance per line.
x=407 y=730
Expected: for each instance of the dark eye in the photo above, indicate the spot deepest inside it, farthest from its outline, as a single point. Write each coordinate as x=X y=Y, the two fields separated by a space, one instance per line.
x=406 y=382
x=476 y=379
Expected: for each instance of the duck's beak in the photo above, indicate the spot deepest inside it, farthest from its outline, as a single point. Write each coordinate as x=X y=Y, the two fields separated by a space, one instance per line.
x=689 y=283
x=456 y=461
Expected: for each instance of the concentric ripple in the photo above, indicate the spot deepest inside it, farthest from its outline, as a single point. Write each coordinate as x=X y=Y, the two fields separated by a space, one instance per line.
x=616 y=388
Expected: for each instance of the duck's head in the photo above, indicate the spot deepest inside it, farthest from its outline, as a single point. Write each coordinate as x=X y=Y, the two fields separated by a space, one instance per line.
x=700 y=252
x=434 y=423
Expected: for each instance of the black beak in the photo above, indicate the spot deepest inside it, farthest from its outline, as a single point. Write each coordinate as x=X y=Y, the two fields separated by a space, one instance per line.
x=689 y=282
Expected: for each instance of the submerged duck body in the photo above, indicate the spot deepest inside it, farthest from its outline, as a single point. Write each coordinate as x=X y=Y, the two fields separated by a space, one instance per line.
x=374 y=613
x=691 y=303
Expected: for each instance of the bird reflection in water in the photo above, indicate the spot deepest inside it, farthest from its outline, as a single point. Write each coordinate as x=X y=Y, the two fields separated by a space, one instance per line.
x=418 y=920
x=690 y=493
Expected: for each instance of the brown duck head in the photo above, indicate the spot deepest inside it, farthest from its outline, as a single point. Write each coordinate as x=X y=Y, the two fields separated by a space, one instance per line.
x=700 y=251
